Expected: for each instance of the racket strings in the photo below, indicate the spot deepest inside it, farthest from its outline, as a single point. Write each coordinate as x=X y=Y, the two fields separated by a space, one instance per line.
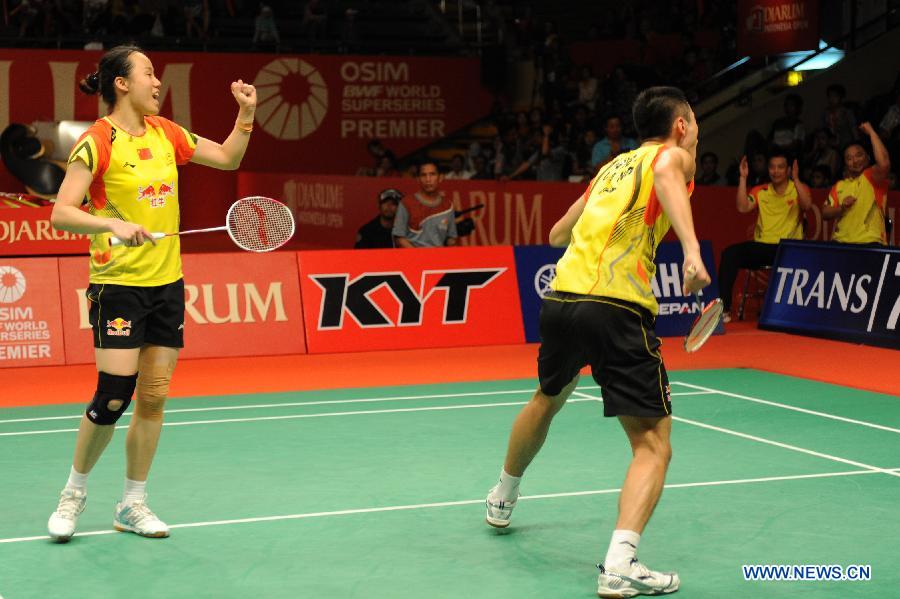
x=260 y=224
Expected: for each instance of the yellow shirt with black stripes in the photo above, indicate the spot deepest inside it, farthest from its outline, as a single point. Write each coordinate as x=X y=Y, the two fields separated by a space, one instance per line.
x=613 y=246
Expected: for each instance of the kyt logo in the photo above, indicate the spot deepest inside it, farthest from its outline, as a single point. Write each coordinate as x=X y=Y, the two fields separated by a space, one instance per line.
x=341 y=295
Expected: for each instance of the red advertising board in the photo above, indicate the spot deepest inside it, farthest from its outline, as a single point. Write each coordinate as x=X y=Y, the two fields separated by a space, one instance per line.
x=31 y=332
x=316 y=113
x=402 y=298
x=767 y=27
x=235 y=305
x=27 y=232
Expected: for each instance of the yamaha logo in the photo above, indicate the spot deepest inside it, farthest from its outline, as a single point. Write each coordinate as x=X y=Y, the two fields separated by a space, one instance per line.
x=292 y=98
x=12 y=285
x=543 y=278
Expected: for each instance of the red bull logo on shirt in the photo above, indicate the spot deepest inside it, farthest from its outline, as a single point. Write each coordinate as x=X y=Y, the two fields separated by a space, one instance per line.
x=156 y=196
x=118 y=327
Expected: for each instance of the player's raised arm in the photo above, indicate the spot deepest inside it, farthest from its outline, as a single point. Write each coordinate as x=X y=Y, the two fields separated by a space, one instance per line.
x=671 y=188
x=882 y=165
x=743 y=202
x=228 y=155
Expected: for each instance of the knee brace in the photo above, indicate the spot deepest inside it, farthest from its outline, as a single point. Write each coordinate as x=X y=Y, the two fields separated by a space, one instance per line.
x=153 y=387
x=110 y=387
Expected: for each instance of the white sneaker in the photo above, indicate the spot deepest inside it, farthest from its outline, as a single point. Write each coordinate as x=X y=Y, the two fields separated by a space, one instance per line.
x=136 y=517
x=498 y=510
x=635 y=580
x=61 y=525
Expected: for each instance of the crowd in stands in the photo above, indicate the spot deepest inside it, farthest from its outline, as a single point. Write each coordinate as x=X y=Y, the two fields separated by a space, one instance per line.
x=180 y=22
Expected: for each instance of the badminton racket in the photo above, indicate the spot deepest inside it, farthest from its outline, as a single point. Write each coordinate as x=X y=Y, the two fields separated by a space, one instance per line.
x=705 y=323
x=255 y=224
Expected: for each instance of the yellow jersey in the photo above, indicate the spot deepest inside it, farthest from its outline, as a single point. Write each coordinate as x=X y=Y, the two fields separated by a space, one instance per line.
x=135 y=179
x=615 y=239
x=779 y=213
x=863 y=222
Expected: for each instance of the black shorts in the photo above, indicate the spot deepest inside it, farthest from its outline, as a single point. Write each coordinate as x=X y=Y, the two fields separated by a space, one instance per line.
x=616 y=339
x=126 y=317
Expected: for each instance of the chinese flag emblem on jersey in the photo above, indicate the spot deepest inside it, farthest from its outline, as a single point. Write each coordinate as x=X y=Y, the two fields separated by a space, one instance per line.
x=145 y=154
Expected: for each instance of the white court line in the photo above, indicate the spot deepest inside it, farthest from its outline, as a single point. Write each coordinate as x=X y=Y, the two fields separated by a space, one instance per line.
x=296 y=416
x=790 y=407
x=769 y=442
x=398 y=508
x=310 y=403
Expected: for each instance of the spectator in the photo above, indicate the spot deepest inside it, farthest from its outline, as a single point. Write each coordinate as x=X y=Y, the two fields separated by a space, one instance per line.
x=95 y=18
x=588 y=88
x=778 y=206
x=315 y=20
x=622 y=91
x=377 y=232
x=891 y=117
x=549 y=161
x=709 y=175
x=474 y=151
x=837 y=117
x=893 y=181
x=458 y=169
x=823 y=152
x=759 y=170
x=26 y=13
x=612 y=145
x=821 y=177
x=427 y=219
x=196 y=18
x=858 y=202
x=582 y=167
x=376 y=150
x=350 y=38
x=480 y=165
x=387 y=166
x=508 y=153
x=265 y=30
x=787 y=132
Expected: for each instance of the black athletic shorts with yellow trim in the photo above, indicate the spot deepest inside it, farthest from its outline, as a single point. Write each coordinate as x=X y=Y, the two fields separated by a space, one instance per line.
x=616 y=339
x=126 y=316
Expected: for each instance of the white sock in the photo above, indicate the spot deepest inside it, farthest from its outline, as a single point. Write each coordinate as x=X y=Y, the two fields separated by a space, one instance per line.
x=134 y=490
x=622 y=549
x=508 y=489
x=77 y=481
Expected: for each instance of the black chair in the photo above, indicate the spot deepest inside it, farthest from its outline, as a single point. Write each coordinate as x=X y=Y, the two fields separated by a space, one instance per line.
x=759 y=277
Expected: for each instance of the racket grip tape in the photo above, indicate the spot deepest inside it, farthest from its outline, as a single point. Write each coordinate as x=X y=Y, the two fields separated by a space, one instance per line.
x=114 y=241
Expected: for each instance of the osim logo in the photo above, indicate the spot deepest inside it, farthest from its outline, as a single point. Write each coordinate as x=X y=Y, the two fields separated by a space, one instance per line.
x=292 y=98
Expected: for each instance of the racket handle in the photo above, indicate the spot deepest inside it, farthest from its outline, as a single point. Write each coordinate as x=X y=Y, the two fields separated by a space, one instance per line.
x=114 y=241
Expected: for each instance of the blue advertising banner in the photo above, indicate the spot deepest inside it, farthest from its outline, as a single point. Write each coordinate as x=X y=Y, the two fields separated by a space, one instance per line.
x=536 y=267
x=836 y=291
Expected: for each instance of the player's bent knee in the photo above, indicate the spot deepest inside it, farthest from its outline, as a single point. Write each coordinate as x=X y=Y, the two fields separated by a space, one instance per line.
x=111 y=398
x=152 y=391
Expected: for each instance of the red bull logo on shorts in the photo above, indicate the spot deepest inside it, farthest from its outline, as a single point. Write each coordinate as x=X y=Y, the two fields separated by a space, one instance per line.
x=118 y=327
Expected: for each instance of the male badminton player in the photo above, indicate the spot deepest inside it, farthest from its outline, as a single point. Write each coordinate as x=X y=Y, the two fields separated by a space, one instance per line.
x=125 y=167
x=601 y=313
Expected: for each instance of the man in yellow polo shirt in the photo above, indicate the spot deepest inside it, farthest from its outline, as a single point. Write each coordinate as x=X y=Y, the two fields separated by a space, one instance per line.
x=779 y=203
x=859 y=201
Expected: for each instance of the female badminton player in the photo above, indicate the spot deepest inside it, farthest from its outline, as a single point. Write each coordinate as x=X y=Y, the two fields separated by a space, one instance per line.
x=124 y=166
